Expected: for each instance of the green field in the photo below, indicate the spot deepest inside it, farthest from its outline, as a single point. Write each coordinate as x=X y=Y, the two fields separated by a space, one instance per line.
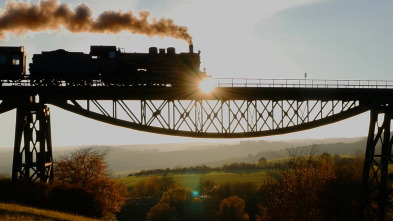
x=191 y=180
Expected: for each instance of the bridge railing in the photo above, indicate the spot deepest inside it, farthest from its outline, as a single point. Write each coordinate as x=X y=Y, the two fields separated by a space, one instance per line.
x=262 y=83
x=301 y=83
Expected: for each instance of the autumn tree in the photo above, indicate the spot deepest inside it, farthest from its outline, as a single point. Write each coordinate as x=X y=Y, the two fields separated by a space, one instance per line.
x=244 y=190
x=81 y=167
x=262 y=162
x=171 y=206
x=206 y=186
x=301 y=187
x=149 y=188
x=162 y=212
x=232 y=208
x=176 y=197
x=86 y=168
x=153 y=187
x=167 y=182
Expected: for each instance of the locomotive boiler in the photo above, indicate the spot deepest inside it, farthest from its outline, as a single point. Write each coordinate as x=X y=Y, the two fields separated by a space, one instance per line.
x=110 y=66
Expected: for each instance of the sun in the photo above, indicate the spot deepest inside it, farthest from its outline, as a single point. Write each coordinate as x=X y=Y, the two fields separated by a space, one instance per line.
x=207 y=85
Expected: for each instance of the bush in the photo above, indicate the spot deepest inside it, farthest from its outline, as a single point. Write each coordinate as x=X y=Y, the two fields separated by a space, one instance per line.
x=86 y=169
x=246 y=191
x=162 y=212
x=68 y=198
x=154 y=187
x=232 y=208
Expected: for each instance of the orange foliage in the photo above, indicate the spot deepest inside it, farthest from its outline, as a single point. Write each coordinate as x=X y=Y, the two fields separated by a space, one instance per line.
x=86 y=168
x=162 y=211
x=299 y=194
x=232 y=208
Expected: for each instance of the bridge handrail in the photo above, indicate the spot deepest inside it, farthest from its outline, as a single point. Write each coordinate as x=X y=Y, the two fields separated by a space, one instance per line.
x=302 y=83
x=266 y=83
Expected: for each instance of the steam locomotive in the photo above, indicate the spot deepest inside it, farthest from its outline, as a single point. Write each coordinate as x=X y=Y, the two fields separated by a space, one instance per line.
x=104 y=65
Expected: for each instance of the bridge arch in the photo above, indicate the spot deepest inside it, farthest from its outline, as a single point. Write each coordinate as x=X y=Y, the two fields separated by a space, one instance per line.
x=216 y=118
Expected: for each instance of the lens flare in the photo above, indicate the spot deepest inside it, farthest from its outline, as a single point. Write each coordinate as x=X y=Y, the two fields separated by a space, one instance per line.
x=207 y=85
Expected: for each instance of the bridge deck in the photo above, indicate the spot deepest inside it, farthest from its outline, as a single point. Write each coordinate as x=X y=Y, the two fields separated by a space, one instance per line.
x=227 y=89
x=220 y=93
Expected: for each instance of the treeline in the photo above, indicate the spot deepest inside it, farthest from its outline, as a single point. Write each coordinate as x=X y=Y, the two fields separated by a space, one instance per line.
x=261 y=164
x=206 y=169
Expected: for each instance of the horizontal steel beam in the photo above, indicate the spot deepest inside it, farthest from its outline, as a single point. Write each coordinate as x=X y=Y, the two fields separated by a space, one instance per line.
x=221 y=93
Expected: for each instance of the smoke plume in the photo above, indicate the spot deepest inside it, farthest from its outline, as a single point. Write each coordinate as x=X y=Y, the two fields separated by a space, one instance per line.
x=49 y=15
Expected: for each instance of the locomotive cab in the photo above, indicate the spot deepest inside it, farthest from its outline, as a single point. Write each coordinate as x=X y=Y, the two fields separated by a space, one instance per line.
x=12 y=63
x=108 y=52
x=107 y=61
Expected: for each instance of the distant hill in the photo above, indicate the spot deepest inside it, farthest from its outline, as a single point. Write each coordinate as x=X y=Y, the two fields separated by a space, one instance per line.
x=130 y=158
x=340 y=148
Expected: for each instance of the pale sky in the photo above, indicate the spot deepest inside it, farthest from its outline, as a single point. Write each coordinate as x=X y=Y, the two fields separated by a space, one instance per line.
x=263 y=39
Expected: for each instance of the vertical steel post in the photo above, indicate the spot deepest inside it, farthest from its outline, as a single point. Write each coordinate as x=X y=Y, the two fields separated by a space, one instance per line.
x=33 y=144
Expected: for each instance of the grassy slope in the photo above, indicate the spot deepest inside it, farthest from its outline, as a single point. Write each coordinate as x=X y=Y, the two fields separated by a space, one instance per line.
x=18 y=212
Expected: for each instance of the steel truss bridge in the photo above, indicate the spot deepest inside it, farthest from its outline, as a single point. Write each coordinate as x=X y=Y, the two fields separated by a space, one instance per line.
x=237 y=108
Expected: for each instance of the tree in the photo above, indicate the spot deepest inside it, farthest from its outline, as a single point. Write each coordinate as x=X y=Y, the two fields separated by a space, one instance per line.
x=171 y=206
x=232 y=208
x=86 y=169
x=262 y=162
x=206 y=186
x=153 y=187
x=81 y=167
x=162 y=212
x=244 y=190
x=167 y=182
x=150 y=188
x=176 y=197
x=326 y=156
x=301 y=188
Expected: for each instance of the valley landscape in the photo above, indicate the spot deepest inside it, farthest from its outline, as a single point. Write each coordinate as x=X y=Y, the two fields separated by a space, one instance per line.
x=212 y=172
x=126 y=159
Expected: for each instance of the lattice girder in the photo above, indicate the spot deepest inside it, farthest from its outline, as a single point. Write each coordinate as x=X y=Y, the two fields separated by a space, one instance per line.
x=216 y=118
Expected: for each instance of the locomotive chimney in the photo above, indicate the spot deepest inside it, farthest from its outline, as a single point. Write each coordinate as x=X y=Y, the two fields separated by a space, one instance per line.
x=152 y=50
x=171 y=50
x=191 y=47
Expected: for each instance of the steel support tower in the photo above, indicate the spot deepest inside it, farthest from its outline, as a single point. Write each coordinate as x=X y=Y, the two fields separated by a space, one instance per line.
x=377 y=179
x=33 y=145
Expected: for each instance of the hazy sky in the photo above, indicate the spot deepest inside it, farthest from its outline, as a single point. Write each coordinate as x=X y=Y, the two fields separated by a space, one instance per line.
x=328 y=39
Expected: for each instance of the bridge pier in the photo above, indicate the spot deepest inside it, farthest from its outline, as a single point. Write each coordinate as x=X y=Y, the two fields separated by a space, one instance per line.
x=377 y=179
x=33 y=145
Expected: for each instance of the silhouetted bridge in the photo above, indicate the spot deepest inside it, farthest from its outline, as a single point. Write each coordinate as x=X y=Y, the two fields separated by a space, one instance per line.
x=236 y=108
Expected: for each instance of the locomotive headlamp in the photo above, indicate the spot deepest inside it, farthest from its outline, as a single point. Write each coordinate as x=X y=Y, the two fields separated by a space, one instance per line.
x=207 y=85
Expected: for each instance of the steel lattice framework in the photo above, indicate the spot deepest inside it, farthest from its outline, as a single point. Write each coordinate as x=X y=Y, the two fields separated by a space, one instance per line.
x=377 y=179
x=251 y=110
x=33 y=144
x=215 y=118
